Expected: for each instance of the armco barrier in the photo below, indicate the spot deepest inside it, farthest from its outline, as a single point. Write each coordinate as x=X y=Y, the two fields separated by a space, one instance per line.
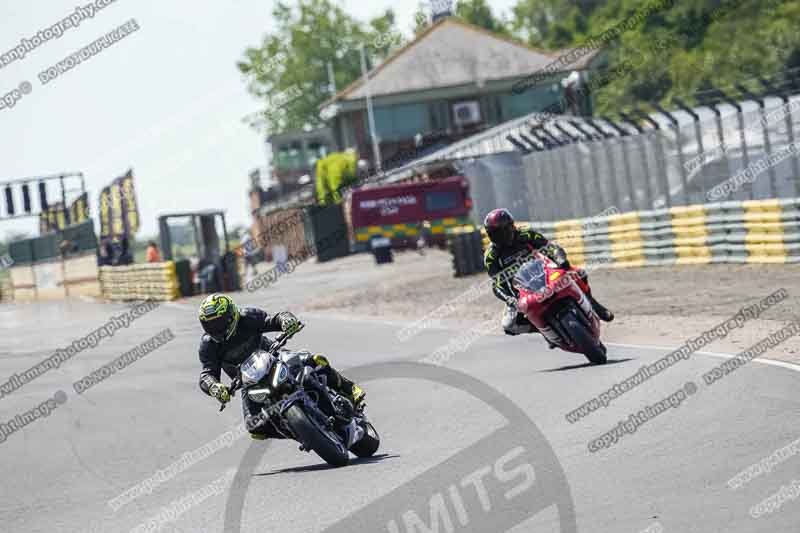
x=759 y=231
x=152 y=281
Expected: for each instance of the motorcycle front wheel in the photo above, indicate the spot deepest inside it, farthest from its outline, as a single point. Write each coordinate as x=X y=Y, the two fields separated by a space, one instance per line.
x=369 y=443
x=594 y=351
x=332 y=452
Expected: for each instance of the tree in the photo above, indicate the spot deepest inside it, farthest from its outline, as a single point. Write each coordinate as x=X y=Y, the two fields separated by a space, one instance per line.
x=678 y=50
x=548 y=23
x=476 y=12
x=421 y=19
x=289 y=70
x=479 y=13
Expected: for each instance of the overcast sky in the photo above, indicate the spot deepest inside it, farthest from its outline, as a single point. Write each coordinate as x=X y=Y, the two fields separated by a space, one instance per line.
x=167 y=100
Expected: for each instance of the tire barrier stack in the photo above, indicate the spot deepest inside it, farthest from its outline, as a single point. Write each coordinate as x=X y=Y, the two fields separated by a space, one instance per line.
x=466 y=246
x=754 y=231
x=152 y=281
x=382 y=250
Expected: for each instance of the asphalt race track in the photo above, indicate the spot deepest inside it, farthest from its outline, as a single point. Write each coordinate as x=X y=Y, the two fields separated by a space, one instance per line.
x=60 y=472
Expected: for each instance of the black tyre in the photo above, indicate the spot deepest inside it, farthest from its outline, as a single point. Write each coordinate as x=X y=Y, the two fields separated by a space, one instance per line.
x=594 y=351
x=368 y=444
x=330 y=449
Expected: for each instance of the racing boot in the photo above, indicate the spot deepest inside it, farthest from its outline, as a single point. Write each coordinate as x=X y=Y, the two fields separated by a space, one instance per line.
x=341 y=384
x=514 y=322
x=603 y=314
x=356 y=394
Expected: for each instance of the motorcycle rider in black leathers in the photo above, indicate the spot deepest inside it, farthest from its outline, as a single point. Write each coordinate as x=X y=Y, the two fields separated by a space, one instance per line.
x=232 y=335
x=509 y=249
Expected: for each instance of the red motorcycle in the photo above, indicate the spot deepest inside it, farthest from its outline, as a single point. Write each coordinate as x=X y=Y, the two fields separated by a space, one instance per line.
x=554 y=300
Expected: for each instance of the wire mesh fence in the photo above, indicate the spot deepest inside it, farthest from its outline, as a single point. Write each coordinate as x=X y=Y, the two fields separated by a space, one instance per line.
x=574 y=167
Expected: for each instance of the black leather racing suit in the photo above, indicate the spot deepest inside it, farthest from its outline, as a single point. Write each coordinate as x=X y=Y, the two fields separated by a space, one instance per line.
x=227 y=355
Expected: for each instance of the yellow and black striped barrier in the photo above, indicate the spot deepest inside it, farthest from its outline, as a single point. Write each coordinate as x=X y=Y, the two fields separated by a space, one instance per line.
x=439 y=226
x=764 y=231
x=759 y=232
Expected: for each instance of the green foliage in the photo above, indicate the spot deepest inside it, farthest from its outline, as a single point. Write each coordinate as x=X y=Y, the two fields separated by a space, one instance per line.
x=551 y=23
x=334 y=173
x=479 y=13
x=288 y=71
x=476 y=12
x=676 y=51
x=421 y=19
x=691 y=46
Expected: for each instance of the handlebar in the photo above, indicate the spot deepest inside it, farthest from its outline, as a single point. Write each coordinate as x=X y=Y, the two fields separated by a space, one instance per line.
x=277 y=344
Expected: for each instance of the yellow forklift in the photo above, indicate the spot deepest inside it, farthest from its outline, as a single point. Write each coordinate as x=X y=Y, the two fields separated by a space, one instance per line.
x=198 y=243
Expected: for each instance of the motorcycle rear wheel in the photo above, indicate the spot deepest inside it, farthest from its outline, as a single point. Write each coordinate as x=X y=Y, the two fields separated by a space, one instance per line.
x=312 y=437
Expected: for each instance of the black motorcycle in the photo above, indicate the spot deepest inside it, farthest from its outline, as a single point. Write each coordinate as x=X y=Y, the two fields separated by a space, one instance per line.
x=299 y=404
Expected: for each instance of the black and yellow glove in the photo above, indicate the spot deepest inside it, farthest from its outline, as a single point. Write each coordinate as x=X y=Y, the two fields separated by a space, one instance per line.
x=220 y=392
x=557 y=254
x=289 y=323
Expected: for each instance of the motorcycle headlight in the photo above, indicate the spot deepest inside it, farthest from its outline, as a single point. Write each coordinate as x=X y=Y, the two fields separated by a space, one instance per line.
x=255 y=368
x=281 y=375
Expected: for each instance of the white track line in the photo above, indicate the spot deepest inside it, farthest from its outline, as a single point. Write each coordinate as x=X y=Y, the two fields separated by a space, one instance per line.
x=771 y=362
x=401 y=323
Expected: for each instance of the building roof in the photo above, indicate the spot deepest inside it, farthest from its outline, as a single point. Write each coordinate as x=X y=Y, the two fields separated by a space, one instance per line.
x=453 y=53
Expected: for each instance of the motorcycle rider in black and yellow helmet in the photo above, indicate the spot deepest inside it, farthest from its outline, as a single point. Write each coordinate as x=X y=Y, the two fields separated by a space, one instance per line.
x=232 y=334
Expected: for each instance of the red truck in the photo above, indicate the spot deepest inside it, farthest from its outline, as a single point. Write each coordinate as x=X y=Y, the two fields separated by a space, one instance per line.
x=400 y=211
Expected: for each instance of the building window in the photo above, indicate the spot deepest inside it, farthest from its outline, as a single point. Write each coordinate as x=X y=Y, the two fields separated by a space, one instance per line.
x=290 y=156
x=316 y=150
x=534 y=99
x=440 y=201
x=401 y=122
x=439 y=116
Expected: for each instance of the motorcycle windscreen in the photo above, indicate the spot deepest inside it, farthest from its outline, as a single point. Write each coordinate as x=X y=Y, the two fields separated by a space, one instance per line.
x=531 y=276
x=256 y=367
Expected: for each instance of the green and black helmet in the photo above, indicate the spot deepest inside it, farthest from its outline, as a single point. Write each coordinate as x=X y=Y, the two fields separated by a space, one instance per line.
x=219 y=317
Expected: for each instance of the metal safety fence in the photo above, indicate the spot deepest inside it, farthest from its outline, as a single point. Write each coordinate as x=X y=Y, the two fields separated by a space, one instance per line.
x=575 y=168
